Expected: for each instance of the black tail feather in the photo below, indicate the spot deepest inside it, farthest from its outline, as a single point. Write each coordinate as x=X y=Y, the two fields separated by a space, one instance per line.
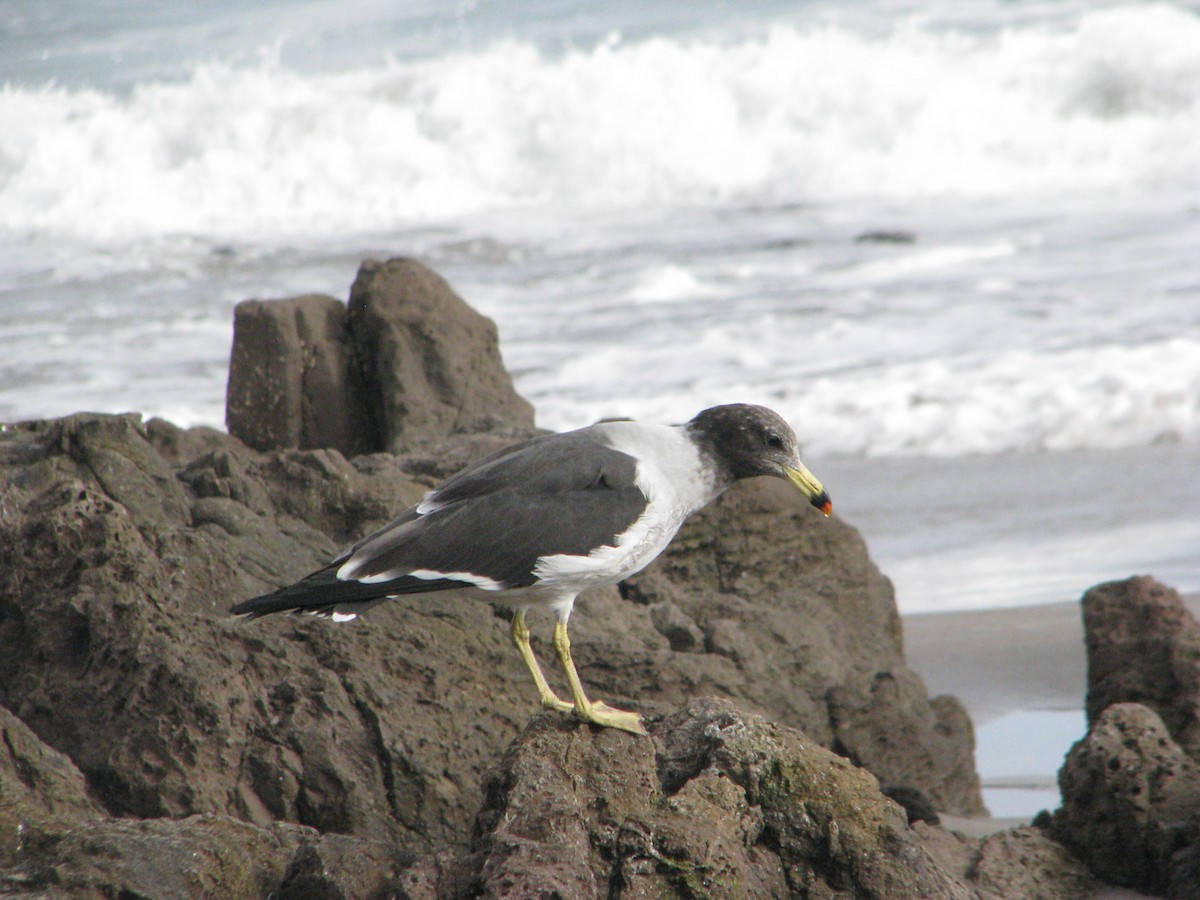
x=323 y=593
x=320 y=592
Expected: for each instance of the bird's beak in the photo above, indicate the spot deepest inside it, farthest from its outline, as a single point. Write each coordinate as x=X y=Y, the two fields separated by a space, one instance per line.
x=809 y=486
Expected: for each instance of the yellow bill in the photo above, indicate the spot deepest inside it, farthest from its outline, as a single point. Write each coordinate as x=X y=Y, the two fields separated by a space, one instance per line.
x=810 y=487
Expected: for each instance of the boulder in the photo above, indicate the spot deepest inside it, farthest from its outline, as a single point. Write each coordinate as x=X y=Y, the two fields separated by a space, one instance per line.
x=1131 y=787
x=292 y=379
x=408 y=363
x=430 y=362
x=718 y=804
x=1130 y=796
x=1143 y=646
x=1026 y=863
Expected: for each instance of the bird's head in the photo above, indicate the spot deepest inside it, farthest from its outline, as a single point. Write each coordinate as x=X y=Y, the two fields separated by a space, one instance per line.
x=749 y=441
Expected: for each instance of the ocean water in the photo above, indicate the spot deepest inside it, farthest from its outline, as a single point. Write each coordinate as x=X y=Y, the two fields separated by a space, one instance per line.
x=663 y=204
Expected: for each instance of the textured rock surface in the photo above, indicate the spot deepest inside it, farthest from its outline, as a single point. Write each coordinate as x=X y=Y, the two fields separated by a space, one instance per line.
x=1026 y=863
x=797 y=621
x=39 y=788
x=430 y=362
x=201 y=856
x=1131 y=786
x=115 y=576
x=406 y=364
x=1143 y=646
x=293 y=383
x=720 y=804
x=1129 y=793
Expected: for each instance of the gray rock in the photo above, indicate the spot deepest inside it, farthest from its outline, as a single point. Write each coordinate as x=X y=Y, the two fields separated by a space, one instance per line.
x=1128 y=793
x=292 y=381
x=719 y=804
x=1143 y=646
x=801 y=625
x=431 y=363
x=408 y=363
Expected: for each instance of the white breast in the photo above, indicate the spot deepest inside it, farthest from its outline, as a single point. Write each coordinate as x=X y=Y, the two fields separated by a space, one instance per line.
x=671 y=475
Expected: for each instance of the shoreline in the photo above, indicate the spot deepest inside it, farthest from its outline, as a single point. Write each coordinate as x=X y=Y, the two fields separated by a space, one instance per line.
x=998 y=661
x=1017 y=670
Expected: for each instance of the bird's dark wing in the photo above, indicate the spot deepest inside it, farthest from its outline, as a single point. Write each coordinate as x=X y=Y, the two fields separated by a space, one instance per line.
x=553 y=463
x=487 y=526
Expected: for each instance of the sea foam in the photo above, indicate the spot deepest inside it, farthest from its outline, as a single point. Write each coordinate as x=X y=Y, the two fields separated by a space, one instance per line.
x=799 y=112
x=1108 y=396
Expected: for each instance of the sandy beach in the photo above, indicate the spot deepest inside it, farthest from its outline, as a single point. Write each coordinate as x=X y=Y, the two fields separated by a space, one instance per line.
x=998 y=661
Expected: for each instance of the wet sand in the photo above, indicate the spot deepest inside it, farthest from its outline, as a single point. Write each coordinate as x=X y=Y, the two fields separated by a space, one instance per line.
x=998 y=661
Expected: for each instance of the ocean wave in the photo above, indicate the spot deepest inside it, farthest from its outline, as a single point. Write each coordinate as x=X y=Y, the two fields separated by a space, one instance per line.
x=1107 y=396
x=798 y=113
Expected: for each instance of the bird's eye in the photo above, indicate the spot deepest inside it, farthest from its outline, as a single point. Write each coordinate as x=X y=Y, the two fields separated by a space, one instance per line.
x=774 y=441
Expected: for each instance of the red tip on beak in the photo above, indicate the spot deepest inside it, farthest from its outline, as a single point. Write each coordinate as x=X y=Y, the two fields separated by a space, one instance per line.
x=822 y=502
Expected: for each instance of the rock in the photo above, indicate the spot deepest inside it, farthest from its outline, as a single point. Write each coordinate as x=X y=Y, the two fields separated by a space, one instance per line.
x=336 y=867
x=38 y=786
x=127 y=663
x=681 y=632
x=886 y=236
x=1019 y=862
x=894 y=730
x=202 y=856
x=292 y=379
x=124 y=659
x=430 y=362
x=916 y=804
x=1026 y=863
x=719 y=804
x=407 y=364
x=1143 y=646
x=1130 y=795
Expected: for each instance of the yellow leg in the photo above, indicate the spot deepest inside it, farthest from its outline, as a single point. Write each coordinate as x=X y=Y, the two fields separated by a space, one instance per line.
x=520 y=636
x=586 y=709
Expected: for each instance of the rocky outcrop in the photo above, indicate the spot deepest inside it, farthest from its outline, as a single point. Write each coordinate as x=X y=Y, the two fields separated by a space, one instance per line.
x=1129 y=795
x=430 y=362
x=116 y=577
x=293 y=381
x=1143 y=646
x=719 y=804
x=407 y=363
x=1131 y=786
x=824 y=653
x=715 y=803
